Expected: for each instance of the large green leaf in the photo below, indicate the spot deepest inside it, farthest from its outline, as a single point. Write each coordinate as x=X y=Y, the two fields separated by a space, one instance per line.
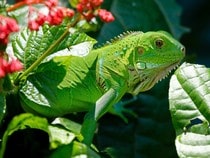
x=144 y=15
x=28 y=45
x=189 y=97
x=193 y=145
x=48 y=91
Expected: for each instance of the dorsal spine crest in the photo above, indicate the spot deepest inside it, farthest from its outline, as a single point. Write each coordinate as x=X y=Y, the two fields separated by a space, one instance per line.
x=119 y=37
x=123 y=35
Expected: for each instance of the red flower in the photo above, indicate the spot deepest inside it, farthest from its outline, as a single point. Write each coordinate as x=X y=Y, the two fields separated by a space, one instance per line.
x=87 y=8
x=89 y=4
x=68 y=12
x=51 y=3
x=80 y=8
x=41 y=18
x=33 y=25
x=54 y=17
x=96 y=3
x=7 y=26
x=91 y=8
x=105 y=15
x=9 y=67
x=14 y=66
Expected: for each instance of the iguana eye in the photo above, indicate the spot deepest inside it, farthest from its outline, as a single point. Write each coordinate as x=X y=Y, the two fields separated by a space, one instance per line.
x=159 y=43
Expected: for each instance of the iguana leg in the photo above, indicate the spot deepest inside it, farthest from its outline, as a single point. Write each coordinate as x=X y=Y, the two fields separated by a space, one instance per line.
x=119 y=109
x=91 y=118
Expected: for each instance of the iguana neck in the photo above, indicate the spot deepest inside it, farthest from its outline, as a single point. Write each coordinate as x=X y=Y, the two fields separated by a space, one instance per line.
x=112 y=67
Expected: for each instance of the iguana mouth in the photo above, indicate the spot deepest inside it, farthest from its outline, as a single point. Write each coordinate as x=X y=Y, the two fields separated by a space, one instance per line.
x=166 y=71
x=148 y=81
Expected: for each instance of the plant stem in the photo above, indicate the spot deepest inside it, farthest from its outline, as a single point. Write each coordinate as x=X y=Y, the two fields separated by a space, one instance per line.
x=42 y=57
x=46 y=53
x=20 y=4
x=88 y=128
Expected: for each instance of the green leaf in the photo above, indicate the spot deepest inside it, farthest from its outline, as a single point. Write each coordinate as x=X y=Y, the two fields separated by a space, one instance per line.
x=28 y=45
x=74 y=3
x=189 y=98
x=75 y=38
x=189 y=95
x=193 y=145
x=22 y=122
x=68 y=124
x=74 y=150
x=143 y=15
x=48 y=90
x=59 y=136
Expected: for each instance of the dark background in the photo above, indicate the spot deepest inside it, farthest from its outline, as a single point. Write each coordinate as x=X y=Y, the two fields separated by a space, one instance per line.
x=196 y=16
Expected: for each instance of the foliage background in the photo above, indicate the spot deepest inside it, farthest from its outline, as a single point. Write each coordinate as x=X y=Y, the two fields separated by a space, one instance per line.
x=150 y=134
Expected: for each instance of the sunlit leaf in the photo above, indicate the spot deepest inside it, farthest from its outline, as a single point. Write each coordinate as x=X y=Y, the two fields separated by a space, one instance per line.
x=189 y=97
x=28 y=45
x=193 y=145
x=74 y=150
x=48 y=90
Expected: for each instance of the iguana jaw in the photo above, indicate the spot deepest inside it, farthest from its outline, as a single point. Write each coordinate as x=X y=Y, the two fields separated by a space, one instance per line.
x=150 y=79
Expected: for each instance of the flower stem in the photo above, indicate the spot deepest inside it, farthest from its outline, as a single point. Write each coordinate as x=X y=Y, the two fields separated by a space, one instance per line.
x=21 y=4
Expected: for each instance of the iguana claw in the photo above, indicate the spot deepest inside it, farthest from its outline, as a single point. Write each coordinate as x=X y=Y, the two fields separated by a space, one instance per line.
x=119 y=109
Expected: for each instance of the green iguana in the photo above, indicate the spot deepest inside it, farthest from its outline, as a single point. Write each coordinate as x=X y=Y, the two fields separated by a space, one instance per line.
x=131 y=64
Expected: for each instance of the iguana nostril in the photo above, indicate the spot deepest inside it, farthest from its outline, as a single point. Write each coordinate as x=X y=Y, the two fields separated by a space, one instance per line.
x=183 y=49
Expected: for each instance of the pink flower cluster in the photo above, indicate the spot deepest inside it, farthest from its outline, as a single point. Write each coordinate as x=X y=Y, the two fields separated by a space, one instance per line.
x=9 y=67
x=54 y=17
x=105 y=15
x=91 y=8
x=7 y=26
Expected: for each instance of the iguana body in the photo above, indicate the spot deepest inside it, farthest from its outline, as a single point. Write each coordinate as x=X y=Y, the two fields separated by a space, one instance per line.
x=131 y=64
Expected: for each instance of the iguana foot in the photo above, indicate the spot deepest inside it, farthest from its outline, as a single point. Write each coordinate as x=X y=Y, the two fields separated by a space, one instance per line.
x=120 y=110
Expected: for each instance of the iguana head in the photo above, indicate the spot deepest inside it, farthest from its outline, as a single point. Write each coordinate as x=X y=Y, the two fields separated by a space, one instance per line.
x=152 y=59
